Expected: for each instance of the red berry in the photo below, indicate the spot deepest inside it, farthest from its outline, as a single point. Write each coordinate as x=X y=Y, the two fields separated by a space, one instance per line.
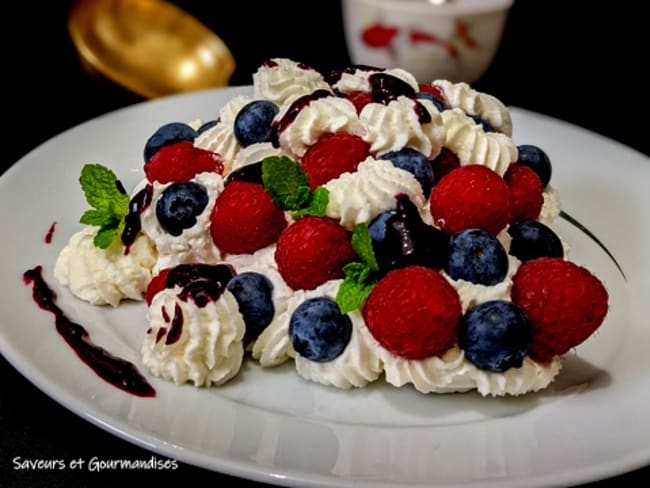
x=526 y=192
x=413 y=312
x=332 y=155
x=359 y=99
x=156 y=284
x=181 y=162
x=245 y=219
x=468 y=197
x=312 y=251
x=564 y=302
x=434 y=90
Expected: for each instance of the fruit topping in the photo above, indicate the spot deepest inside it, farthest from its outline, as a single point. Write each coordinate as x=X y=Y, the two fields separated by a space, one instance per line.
x=245 y=219
x=564 y=302
x=318 y=330
x=476 y=256
x=471 y=196
x=181 y=161
x=158 y=283
x=332 y=155
x=179 y=205
x=254 y=294
x=400 y=238
x=201 y=283
x=433 y=93
x=537 y=160
x=166 y=135
x=443 y=163
x=532 y=239
x=312 y=251
x=415 y=163
x=253 y=122
x=495 y=335
x=526 y=192
x=413 y=312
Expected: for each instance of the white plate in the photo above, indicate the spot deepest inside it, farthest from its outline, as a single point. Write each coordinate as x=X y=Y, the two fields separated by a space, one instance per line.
x=271 y=426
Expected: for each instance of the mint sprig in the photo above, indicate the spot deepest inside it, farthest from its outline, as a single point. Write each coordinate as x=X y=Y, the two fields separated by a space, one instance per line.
x=110 y=204
x=360 y=276
x=288 y=185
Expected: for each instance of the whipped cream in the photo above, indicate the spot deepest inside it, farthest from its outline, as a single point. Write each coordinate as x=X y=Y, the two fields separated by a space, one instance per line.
x=487 y=107
x=193 y=245
x=207 y=350
x=254 y=154
x=330 y=114
x=364 y=194
x=105 y=276
x=221 y=138
x=467 y=140
x=282 y=80
x=398 y=125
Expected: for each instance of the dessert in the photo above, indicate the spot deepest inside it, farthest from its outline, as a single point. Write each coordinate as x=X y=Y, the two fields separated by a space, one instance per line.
x=362 y=225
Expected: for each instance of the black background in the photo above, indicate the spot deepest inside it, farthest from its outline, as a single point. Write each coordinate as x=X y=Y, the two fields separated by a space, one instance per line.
x=585 y=66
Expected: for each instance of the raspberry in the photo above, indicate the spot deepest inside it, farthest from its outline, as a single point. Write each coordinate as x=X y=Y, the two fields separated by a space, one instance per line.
x=157 y=283
x=312 y=251
x=181 y=162
x=471 y=196
x=245 y=219
x=359 y=99
x=332 y=155
x=434 y=90
x=413 y=312
x=443 y=164
x=564 y=302
x=526 y=192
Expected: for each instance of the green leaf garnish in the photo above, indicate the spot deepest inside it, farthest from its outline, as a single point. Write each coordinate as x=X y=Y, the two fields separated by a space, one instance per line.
x=360 y=277
x=317 y=204
x=286 y=182
x=110 y=204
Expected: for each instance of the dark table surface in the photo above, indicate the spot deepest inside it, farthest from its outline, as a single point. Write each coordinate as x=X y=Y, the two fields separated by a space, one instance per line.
x=585 y=68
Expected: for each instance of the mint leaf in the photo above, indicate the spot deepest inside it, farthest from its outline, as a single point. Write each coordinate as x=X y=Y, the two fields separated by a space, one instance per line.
x=110 y=204
x=286 y=182
x=317 y=205
x=362 y=244
x=351 y=295
x=359 y=272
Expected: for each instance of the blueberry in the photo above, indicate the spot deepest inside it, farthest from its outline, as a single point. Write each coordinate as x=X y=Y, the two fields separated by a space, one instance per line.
x=168 y=134
x=318 y=330
x=537 y=160
x=476 y=256
x=206 y=126
x=179 y=205
x=495 y=335
x=253 y=122
x=532 y=239
x=415 y=163
x=400 y=238
x=253 y=292
x=440 y=104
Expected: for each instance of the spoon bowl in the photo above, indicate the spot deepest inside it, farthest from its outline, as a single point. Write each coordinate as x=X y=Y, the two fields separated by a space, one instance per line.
x=151 y=47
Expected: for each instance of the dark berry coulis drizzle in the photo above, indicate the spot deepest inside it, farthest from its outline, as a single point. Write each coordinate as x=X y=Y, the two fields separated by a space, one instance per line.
x=116 y=371
x=176 y=327
x=132 y=226
x=251 y=173
x=50 y=233
x=294 y=109
x=335 y=75
x=202 y=283
x=385 y=88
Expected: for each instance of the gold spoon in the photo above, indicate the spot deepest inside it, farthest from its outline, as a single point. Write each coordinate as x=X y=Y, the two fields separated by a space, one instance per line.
x=149 y=46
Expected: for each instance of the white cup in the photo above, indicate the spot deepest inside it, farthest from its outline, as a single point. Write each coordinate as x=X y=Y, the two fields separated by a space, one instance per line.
x=456 y=41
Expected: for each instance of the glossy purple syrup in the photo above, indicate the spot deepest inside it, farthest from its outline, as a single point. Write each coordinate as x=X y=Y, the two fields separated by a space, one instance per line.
x=202 y=283
x=116 y=371
x=50 y=233
x=176 y=328
x=251 y=173
x=132 y=225
x=384 y=88
x=294 y=109
x=407 y=240
x=334 y=76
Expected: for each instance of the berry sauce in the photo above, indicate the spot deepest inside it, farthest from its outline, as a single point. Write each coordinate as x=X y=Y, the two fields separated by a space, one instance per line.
x=176 y=327
x=385 y=87
x=132 y=226
x=294 y=109
x=116 y=371
x=251 y=173
x=50 y=233
x=202 y=283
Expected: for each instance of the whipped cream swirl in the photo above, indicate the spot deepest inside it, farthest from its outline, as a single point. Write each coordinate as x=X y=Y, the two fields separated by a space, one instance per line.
x=282 y=80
